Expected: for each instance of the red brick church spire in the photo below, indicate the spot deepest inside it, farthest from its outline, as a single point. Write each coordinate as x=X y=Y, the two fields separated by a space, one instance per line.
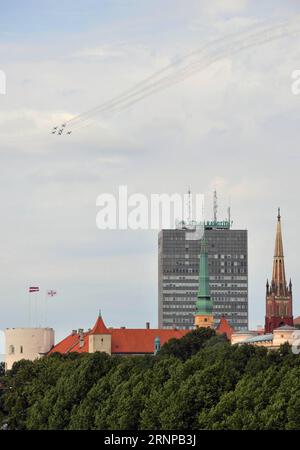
x=279 y=295
x=278 y=276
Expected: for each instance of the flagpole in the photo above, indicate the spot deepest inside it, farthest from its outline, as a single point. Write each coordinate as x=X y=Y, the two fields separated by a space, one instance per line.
x=29 y=304
x=46 y=292
x=37 y=301
x=33 y=306
x=35 y=310
x=49 y=293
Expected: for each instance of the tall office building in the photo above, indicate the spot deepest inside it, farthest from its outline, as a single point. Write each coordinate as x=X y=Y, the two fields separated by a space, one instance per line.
x=178 y=269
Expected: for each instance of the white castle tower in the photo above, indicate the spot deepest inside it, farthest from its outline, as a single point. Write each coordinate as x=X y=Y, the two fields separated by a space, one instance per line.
x=27 y=343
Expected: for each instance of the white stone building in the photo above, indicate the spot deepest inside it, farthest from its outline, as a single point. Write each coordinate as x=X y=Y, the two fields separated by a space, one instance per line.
x=281 y=335
x=27 y=343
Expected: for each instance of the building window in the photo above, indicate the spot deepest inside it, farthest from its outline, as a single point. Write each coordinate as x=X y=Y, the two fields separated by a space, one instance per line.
x=11 y=350
x=21 y=349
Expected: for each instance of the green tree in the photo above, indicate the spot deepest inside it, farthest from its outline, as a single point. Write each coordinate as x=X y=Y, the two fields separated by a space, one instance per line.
x=199 y=381
x=188 y=345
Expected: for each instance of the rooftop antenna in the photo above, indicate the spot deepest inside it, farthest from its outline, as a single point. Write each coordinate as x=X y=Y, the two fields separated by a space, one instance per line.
x=215 y=205
x=229 y=212
x=189 y=206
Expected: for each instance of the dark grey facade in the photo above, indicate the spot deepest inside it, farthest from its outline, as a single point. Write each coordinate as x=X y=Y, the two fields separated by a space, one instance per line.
x=178 y=266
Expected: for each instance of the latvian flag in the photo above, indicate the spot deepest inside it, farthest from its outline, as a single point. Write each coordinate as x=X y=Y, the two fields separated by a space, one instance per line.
x=51 y=293
x=33 y=289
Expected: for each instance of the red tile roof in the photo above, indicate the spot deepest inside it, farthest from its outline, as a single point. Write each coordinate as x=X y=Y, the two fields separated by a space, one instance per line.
x=123 y=340
x=129 y=341
x=71 y=344
x=99 y=327
x=141 y=340
x=224 y=327
x=297 y=320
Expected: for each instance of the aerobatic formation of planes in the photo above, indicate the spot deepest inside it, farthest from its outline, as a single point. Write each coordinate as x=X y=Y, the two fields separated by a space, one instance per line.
x=59 y=130
x=179 y=70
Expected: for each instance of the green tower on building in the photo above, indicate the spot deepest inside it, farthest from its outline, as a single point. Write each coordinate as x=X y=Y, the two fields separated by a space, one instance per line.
x=204 y=309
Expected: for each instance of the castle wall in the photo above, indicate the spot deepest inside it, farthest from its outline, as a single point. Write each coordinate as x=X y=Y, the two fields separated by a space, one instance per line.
x=27 y=343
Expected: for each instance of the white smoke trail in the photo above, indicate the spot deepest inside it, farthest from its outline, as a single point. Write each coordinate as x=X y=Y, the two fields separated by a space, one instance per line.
x=212 y=52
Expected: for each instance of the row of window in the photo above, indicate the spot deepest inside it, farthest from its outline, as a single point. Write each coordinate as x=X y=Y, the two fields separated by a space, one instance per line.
x=180 y=306
x=176 y=313
x=218 y=256
x=211 y=277
x=214 y=294
x=176 y=320
x=12 y=350
x=230 y=299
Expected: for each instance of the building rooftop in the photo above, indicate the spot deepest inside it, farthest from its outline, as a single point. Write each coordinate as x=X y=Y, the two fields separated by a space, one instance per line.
x=285 y=327
x=225 y=327
x=123 y=340
x=261 y=338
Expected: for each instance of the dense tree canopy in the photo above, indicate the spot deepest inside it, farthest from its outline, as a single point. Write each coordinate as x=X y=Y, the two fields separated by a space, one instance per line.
x=197 y=382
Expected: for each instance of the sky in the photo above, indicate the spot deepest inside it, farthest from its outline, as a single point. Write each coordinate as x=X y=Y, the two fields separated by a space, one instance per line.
x=234 y=127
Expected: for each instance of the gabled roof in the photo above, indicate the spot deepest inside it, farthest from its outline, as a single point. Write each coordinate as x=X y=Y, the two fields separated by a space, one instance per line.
x=225 y=327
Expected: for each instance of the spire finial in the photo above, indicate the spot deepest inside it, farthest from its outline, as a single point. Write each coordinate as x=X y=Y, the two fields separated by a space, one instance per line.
x=278 y=215
x=99 y=315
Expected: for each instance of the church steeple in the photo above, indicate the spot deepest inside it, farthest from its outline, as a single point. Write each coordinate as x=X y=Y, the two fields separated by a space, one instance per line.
x=204 y=314
x=278 y=275
x=278 y=296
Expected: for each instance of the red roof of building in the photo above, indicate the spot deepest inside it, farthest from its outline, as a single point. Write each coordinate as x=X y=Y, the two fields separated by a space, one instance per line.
x=123 y=340
x=224 y=327
x=72 y=344
x=141 y=340
x=126 y=340
x=99 y=327
x=297 y=320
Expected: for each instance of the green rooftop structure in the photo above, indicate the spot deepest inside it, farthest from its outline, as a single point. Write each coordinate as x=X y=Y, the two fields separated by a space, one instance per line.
x=204 y=307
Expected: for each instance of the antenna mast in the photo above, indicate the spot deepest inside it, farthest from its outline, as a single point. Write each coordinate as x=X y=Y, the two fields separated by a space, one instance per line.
x=215 y=205
x=189 y=206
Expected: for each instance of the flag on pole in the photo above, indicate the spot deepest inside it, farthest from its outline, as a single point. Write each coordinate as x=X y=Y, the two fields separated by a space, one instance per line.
x=51 y=293
x=34 y=289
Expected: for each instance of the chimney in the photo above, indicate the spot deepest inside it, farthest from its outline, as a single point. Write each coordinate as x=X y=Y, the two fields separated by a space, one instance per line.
x=147 y=325
x=74 y=332
x=81 y=338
